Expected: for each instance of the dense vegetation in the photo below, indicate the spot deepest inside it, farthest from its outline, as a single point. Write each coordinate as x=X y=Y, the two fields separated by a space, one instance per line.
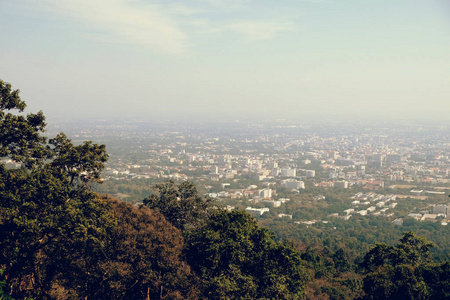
x=60 y=240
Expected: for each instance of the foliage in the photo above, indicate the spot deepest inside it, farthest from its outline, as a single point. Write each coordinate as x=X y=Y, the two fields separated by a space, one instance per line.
x=403 y=271
x=180 y=204
x=143 y=257
x=41 y=226
x=411 y=249
x=20 y=136
x=3 y=285
x=235 y=258
x=82 y=164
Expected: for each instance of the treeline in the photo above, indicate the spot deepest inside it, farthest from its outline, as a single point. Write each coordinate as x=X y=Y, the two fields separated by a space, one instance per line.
x=60 y=240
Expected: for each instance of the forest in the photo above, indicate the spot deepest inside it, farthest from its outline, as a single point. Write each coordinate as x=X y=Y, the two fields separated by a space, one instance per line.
x=61 y=240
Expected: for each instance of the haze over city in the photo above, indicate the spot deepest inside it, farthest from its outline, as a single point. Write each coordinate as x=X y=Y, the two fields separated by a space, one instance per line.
x=212 y=59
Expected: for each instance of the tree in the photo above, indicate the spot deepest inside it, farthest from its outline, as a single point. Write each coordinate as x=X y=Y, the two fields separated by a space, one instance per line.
x=41 y=219
x=20 y=136
x=82 y=164
x=235 y=259
x=411 y=249
x=395 y=272
x=180 y=204
x=143 y=257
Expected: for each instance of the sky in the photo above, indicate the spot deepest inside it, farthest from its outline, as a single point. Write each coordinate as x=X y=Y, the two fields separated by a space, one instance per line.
x=229 y=59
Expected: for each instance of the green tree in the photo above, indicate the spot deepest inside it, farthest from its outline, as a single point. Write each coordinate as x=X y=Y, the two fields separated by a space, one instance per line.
x=41 y=220
x=411 y=249
x=236 y=259
x=20 y=136
x=437 y=277
x=395 y=272
x=180 y=204
x=82 y=164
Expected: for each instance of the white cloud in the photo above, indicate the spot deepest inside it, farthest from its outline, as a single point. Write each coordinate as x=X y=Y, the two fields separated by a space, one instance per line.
x=166 y=27
x=125 y=22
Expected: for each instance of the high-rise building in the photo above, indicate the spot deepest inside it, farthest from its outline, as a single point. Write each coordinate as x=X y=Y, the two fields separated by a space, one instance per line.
x=288 y=172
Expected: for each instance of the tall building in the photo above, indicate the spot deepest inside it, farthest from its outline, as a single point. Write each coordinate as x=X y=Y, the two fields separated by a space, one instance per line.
x=288 y=172
x=265 y=193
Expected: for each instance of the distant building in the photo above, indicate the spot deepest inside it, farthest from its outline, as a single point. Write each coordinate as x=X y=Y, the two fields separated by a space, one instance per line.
x=380 y=204
x=371 y=209
x=288 y=172
x=257 y=211
x=285 y=215
x=293 y=184
x=265 y=193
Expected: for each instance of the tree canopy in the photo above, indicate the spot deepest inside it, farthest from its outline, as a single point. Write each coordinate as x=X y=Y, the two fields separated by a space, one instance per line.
x=404 y=271
x=180 y=204
x=236 y=259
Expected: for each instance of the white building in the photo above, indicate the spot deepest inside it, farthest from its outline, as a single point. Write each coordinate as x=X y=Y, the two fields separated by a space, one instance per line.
x=380 y=204
x=257 y=211
x=349 y=211
x=265 y=193
x=371 y=209
x=285 y=215
x=293 y=184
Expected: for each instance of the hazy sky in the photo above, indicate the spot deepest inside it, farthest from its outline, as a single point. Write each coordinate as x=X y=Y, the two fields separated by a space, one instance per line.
x=229 y=58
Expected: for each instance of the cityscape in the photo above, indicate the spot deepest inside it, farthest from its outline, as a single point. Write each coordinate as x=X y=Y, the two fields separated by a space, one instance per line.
x=260 y=167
